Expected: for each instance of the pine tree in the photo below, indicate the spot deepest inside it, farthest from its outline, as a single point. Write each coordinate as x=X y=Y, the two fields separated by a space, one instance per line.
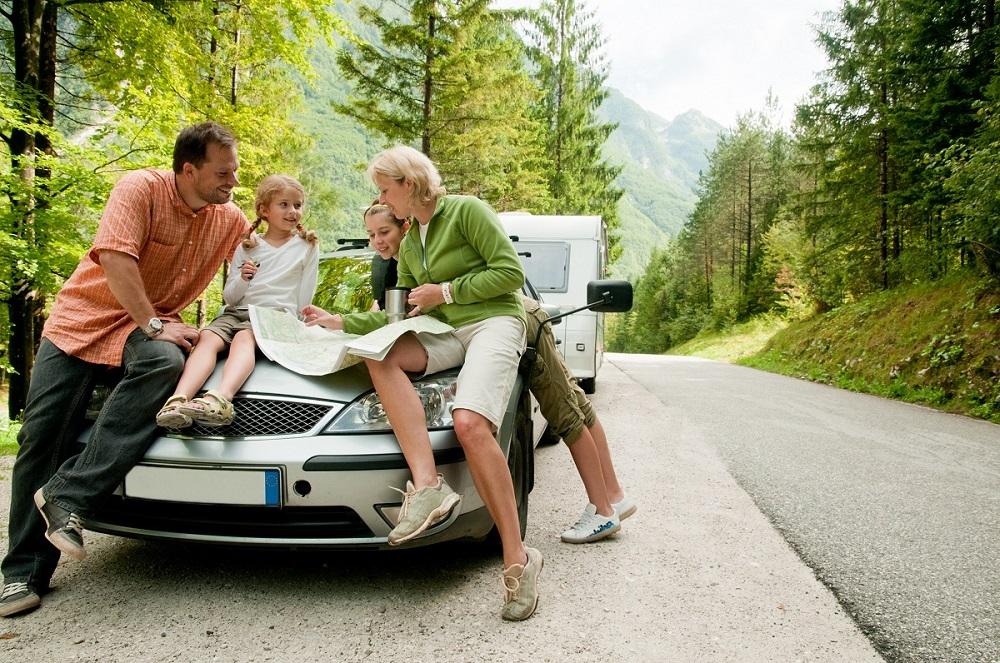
x=448 y=75
x=566 y=48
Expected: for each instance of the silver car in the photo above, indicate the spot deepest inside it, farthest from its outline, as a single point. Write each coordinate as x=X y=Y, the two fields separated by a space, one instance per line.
x=311 y=461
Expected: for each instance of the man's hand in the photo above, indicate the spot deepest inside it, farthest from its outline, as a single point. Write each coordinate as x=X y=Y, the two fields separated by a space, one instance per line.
x=183 y=335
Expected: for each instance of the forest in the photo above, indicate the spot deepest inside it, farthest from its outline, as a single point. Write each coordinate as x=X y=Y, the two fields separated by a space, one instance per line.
x=886 y=179
x=504 y=102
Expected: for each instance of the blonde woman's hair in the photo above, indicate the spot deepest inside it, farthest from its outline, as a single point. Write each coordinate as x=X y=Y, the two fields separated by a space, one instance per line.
x=403 y=163
x=268 y=188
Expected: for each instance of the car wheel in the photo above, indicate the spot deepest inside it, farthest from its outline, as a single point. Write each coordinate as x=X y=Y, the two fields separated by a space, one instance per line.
x=589 y=385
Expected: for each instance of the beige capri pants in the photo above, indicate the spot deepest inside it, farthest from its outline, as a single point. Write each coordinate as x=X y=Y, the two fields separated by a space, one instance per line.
x=491 y=350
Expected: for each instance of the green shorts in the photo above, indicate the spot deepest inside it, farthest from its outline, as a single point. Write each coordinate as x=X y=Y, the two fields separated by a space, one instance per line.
x=561 y=400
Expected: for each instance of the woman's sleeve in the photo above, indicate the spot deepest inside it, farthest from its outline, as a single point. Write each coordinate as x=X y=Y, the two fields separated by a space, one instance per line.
x=236 y=287
x=503 y=273
x=404 y=276
x=310 y=275
x=362 y=323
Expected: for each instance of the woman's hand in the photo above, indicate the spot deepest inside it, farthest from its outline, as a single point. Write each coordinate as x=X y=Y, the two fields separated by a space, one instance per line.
x=425 y=297
x=248 y=269
x=314 y=315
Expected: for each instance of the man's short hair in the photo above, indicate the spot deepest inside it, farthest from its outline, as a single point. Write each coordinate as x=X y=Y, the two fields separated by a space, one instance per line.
x=192 y=143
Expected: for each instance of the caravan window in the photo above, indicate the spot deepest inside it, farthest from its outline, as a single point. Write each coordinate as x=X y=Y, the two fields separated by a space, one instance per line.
x=548 y=265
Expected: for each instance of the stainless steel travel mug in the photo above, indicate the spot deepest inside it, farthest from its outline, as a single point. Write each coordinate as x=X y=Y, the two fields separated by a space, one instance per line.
x=395 y=303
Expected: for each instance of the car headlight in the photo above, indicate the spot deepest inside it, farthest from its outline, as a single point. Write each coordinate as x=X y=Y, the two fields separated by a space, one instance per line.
x=366 y=414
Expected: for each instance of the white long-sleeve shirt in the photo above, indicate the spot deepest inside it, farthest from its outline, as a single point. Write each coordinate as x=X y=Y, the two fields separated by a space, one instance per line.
x=285 y=279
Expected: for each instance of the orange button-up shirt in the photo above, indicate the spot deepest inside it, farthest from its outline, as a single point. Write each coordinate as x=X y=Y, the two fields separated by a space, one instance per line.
x=178 y=250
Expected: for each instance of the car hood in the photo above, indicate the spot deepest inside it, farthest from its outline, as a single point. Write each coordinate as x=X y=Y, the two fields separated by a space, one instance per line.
x=271 y=379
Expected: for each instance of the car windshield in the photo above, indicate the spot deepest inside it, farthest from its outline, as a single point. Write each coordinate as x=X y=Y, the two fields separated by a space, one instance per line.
x=344 y=284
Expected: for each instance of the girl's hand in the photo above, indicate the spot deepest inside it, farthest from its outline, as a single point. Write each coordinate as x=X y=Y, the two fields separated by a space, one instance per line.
x=314 y=315
x=248 y=269
x=425 y=297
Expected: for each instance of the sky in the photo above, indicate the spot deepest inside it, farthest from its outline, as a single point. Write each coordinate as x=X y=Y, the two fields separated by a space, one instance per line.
x=718 y=56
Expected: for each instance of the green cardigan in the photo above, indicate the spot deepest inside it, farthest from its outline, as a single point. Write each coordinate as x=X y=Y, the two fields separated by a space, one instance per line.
x=467 y=246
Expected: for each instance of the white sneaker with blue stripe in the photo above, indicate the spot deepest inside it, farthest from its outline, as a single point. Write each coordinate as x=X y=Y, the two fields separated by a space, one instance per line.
x=591 y=526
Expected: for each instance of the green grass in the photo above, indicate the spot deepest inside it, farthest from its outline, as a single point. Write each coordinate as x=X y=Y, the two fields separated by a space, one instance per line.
x=8 y=429
x=734 y=343
x=8 y=435
x=937 y=344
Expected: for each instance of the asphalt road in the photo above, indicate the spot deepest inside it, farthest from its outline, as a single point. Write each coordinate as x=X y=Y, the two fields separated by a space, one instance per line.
x=896 y=507
x=698 y=574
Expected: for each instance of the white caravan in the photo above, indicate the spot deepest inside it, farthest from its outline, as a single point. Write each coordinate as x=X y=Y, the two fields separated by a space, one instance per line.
x=564 y=254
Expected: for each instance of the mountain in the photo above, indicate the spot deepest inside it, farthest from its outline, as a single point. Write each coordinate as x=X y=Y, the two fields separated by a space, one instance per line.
x=660 y=160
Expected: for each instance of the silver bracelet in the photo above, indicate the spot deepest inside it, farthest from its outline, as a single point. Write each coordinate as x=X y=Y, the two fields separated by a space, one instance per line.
x=446 y=293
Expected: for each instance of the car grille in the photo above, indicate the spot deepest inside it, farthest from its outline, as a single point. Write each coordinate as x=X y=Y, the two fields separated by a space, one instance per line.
x=264 y=417
x=223 y=520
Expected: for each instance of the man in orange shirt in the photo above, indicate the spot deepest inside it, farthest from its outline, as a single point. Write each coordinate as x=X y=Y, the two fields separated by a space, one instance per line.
x=161 y=239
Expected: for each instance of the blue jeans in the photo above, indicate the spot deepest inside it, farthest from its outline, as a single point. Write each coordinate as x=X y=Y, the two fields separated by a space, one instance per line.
x=61 y=386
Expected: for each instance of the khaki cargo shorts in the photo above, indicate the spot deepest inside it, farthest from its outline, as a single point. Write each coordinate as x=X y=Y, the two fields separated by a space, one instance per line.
x=230 y=321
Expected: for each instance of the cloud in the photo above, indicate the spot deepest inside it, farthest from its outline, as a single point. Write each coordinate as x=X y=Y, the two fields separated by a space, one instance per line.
x=719 y=56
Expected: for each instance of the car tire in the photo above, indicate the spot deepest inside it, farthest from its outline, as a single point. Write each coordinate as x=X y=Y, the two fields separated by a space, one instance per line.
x=589 y=385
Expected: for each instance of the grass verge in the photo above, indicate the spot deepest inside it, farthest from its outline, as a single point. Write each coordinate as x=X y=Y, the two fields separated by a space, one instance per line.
x=937 y=344
x=8 y=437
x=734 y=343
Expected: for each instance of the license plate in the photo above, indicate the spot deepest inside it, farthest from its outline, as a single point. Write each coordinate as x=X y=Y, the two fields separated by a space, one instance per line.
x=256 y=487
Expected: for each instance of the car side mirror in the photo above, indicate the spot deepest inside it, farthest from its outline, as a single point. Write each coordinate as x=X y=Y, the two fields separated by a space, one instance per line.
x=552 y=311
x=609 y=296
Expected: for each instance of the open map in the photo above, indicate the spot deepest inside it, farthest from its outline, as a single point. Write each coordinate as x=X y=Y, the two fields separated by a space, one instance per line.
x=286 y=340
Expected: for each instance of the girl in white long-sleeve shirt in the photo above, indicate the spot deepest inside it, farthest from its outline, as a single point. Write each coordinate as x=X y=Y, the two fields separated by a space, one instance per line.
x=278 y=270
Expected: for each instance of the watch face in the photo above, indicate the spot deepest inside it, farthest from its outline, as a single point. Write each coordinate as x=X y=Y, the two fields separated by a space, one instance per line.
x=156 y=324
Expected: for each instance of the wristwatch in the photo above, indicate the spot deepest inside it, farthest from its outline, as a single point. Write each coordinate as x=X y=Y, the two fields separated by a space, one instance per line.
x=153 y=328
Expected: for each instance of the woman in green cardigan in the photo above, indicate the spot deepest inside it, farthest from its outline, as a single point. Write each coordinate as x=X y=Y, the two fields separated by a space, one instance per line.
x=461 y=268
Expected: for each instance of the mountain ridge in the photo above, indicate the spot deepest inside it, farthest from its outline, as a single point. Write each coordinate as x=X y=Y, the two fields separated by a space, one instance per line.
x=661 y=160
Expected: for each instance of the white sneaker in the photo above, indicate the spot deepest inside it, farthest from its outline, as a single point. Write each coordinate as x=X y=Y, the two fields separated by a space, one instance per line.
x=625 y=508
x=591 y=526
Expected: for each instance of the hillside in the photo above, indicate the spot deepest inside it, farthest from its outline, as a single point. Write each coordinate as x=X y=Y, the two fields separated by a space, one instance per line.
x=933 y=343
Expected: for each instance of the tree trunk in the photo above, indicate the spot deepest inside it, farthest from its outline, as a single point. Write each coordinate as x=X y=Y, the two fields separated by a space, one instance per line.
x=235 y=73
x=27 y=20
x=425 y=140
x=749 y=235
x=733 y=234
x=883 y=219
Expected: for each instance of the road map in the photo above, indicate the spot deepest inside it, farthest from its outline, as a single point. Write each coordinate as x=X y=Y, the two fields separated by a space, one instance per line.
x=286 y=340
